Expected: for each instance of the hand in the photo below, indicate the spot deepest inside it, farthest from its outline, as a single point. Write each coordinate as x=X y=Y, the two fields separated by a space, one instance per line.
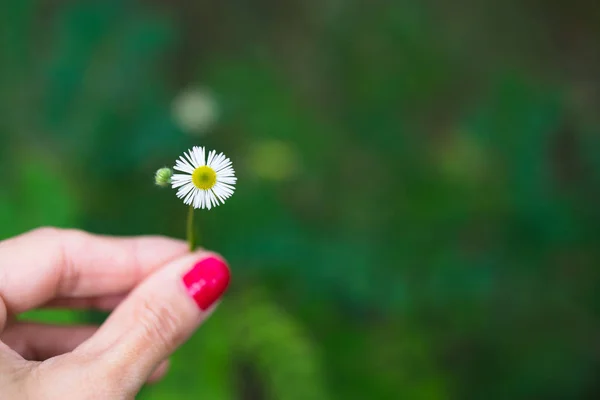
x=160 y=294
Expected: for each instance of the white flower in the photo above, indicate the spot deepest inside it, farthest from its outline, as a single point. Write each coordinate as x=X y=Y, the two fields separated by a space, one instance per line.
x=206 y=181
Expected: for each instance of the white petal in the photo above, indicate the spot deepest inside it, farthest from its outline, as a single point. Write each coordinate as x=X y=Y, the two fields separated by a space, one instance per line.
x=189 y=155
x=185 y=190
x=199 y=155
x=180 y=180
x=211 y=157
x=183 y=166
x=197 y=198
x=220 y=196
x=215 y=199
x=215 y=161
x=209 y=198
x=222 y=191
x=189 y=198
x=222 y=164
x=227 y=179
x=226 y=186
x=193 y=161
x=205 y=199
x=182 y=177
x=203 y=151
x=228 y=171
x=230 y=180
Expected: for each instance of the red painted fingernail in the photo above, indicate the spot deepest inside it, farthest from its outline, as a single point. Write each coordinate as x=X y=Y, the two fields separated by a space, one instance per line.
x=207 y=281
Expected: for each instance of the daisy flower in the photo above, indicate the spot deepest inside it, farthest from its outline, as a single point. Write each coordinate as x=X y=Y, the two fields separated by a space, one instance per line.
x=206 y=181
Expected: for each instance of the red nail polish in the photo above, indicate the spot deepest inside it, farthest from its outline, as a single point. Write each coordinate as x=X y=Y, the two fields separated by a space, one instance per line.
x=207 y=281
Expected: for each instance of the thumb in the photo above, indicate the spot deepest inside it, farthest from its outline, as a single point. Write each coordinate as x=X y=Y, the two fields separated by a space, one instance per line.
x=156 y=318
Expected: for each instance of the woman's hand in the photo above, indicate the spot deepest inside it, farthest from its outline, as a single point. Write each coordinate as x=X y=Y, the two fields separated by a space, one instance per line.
x=160 y=294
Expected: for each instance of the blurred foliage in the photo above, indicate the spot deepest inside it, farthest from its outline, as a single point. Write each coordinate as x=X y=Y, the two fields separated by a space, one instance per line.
x=417 y=209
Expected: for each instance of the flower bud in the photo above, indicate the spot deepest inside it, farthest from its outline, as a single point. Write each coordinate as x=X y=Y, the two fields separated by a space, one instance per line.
x=163 y=176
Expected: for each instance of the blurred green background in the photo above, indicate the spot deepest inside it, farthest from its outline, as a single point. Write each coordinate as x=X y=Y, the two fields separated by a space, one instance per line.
x=417 y=212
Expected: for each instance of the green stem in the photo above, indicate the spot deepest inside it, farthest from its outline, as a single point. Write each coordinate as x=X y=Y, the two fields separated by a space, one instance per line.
x=191 y=238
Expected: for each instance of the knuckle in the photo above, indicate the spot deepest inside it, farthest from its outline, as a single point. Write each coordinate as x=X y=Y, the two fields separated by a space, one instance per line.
x=57 y=233
x=45 y=231
x=160 y=323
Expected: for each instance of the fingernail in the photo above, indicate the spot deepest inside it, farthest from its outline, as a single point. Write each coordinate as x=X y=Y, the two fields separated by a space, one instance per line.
x=207 y=281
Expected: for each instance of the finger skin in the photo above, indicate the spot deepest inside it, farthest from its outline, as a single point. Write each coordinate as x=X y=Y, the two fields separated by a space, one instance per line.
x=158 y=306
x=104 y=303
x=158 y=316
x=47 y=263
x=38 y=342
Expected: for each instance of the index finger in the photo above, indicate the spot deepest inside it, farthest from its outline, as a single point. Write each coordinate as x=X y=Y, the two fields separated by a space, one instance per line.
x=48 y=263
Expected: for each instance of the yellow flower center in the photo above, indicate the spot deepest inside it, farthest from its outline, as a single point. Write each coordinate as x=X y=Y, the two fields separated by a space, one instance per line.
x=204 y=177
